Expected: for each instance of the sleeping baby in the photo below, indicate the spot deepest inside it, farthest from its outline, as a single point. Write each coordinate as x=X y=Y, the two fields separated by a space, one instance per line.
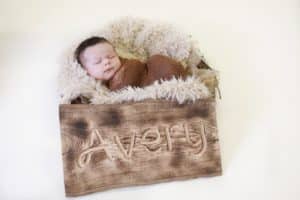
x=98 y=57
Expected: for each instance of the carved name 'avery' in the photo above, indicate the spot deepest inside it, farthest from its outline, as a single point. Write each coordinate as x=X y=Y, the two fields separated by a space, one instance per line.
x=149 y=138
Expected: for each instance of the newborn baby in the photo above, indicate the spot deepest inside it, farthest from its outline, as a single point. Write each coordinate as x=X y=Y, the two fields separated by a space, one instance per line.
x=99 y=58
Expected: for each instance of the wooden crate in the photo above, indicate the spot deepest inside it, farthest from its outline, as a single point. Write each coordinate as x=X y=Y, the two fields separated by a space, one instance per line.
x=117 y=145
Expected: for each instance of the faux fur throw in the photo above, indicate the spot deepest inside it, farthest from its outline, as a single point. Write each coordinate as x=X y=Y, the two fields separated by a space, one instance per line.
x=138 y=38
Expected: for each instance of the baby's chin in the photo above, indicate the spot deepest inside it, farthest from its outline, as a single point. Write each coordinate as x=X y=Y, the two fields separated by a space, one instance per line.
x=114 y=71
x=110 y=75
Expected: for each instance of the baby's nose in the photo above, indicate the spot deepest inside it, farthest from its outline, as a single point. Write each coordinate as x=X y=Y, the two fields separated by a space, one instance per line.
x=107 y=61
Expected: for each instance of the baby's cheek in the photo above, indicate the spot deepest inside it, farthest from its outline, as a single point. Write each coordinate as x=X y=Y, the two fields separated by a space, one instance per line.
x=118 y=63
x=95 y=72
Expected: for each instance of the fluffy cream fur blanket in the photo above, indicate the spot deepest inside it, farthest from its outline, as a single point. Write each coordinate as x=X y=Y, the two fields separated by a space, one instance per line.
x=138 y=38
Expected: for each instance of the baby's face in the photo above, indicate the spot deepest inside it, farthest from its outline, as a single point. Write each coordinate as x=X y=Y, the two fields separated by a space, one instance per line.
x=101 y=61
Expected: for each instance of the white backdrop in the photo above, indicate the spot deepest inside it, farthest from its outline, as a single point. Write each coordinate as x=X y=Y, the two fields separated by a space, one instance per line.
x=254 y=44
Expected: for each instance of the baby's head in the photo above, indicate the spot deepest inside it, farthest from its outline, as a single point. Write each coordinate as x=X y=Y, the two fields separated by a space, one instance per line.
x=98 y=57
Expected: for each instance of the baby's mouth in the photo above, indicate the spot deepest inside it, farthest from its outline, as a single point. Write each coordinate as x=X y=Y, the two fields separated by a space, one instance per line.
x=108 y=70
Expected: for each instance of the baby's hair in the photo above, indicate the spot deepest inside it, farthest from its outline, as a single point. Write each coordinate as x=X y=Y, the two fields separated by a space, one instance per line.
x=87 y=43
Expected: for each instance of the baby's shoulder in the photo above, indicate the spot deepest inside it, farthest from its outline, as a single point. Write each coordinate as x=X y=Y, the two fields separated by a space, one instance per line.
x=131 y=62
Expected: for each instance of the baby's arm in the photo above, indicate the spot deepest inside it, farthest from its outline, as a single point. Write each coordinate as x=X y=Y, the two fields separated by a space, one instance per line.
x=131 y=74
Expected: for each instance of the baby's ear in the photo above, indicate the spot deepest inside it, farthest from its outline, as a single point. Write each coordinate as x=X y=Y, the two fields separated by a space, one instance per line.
x=81 y=60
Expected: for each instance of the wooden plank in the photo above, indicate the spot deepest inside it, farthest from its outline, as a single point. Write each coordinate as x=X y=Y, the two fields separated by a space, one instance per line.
x=109 y=146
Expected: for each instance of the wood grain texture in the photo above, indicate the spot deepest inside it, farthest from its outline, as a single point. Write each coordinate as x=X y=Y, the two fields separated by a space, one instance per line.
x=117 y=145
